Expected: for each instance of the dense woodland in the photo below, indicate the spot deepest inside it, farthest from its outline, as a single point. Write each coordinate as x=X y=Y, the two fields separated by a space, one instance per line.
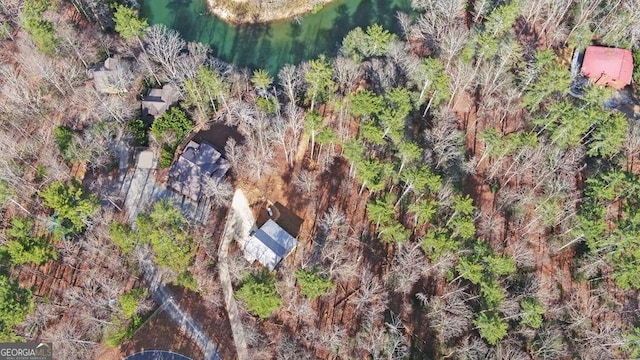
x=458 y=202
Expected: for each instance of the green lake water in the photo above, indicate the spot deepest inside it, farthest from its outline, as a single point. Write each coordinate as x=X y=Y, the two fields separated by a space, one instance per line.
x=270 y=46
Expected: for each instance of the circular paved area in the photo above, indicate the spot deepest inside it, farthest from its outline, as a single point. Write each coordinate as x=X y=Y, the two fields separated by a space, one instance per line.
x=157 y=355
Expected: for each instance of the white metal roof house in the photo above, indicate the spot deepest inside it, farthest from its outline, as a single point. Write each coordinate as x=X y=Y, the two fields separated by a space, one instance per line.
x=269 y=245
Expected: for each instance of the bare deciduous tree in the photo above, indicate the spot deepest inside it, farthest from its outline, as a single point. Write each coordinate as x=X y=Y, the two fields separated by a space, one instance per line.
x=291 y=81
x=70 y=339
x=371 y=297
x=346 y=71
x=409 y=264
x=446 y=142
x=449 y=314
x=549 y=343
x=188 y=63
x=305 y=181
x=218 y=191
x=289 y=348
x=164 y=46
x=333 y=221
x=339 y=253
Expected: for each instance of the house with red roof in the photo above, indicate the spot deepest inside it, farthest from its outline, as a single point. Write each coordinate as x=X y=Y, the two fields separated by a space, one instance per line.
x=608 y=66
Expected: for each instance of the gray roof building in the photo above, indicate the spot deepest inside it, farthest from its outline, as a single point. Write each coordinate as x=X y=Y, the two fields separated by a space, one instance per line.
x=157 y=101
x=197 y=164
x=269 y=245
x=111 y=77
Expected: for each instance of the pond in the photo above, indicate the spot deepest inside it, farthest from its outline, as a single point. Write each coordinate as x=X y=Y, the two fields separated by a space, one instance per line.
x=270 y=46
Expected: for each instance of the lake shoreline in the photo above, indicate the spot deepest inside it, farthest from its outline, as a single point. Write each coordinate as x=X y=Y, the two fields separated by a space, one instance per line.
x=245 y=12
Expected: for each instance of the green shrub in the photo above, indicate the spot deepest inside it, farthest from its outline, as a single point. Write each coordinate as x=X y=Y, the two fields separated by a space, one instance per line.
x=259 y=294
x=122 y=236
x=72 y=207
x=313 y=284
x=41 y=172
x=166 y=156
x=63 y=137
x=186 y=280
x=174 y=122
x=139 y=130
x=5 y=193
x=129 y=302
x=124 y=325
x=42 y=31
x=317 y=7
x=121 y=330
x=24 y=247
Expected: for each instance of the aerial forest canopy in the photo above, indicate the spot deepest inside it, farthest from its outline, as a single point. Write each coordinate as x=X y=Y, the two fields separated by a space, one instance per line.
x=463 y=192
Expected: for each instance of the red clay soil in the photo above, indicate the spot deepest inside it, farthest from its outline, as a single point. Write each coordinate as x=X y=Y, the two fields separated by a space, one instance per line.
x=158 y=333
x=54 y=278
x=162 y=333
x=213 y=319
x=334 y=188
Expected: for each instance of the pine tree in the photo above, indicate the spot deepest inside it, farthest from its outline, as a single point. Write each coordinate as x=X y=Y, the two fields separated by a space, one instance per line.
x=15 y=305
x=313 y=284
x=320 y=80
x=24 y=246
x=258 y=292
x=261 y=79
x=492 y=328
x=71 y=206
x=128 y=24
x=423 y=210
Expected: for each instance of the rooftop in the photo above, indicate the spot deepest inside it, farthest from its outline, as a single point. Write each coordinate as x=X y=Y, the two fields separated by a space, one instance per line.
x=108 y=77
x=157 y=101
x=269 y=245
x=608 y=66
x=196 y=164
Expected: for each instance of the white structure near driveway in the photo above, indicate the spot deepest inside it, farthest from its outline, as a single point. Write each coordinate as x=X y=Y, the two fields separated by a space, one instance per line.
x=269 y=245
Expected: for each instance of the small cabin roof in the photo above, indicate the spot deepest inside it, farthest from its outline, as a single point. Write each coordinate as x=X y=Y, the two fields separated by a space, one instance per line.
x=608 y=66
x=269 y=245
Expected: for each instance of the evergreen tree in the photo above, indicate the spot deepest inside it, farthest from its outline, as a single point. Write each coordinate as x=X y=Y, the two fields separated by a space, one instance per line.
x=320 y=79
x=438 y=242
x=261 y=79
x=551 y=79
x=42 y=31
x=313 y=124
x=205 y=91
x=71 y=206
x=122 y=236
x=359 y=44
x=165 y=229
x=492 y=328
x=365 y=103
x=532 y=312
x=313 y=284
x=423 y=210
x=258 y=291
x=128 y=24
x=24 y=246
x=15 y=305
